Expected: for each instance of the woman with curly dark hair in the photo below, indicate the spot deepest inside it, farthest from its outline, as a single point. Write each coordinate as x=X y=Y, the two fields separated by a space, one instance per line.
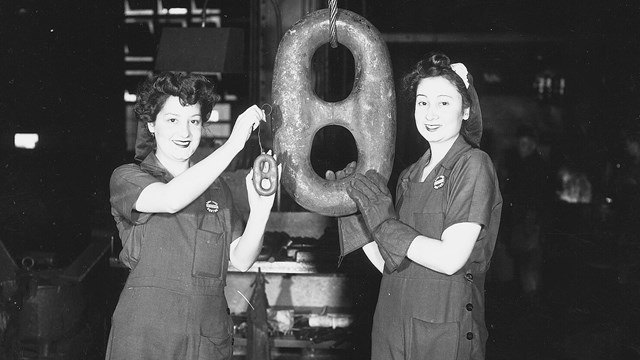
x=434 y=244
x=178 y=227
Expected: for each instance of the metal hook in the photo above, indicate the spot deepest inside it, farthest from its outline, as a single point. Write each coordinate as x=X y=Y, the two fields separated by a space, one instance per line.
x=265 y=112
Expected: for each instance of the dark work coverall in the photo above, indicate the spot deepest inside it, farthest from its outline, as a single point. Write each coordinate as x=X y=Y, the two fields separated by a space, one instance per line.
x=173 y=304
x=423 y=314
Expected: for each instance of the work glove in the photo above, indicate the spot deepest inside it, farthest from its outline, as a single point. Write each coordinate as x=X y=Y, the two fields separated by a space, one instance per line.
x=352 y=231
x=371 y=195
x=353 y=234
x=341 y=174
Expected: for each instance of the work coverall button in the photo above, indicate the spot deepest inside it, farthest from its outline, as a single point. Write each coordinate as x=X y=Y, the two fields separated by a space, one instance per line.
x=469 y=336
x=469 y=307
x=469 y=276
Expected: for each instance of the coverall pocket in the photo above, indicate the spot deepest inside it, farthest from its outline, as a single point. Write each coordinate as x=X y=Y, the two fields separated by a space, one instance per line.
x=215 y=348
x=216 y=341
x=434 y=340
x=132 y=245
x=209 y=254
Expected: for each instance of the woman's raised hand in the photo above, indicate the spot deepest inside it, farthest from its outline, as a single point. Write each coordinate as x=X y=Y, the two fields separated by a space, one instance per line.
x=248 y=121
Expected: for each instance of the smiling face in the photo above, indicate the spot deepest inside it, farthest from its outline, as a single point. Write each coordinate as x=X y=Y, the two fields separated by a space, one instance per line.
x=177 y=131
x=438 y=110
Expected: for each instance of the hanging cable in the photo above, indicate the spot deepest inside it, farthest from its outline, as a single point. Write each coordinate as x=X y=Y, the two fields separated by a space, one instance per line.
x=333 y=7
x=204 y=13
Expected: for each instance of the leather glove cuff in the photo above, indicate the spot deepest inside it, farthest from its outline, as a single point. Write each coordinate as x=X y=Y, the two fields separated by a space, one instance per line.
x=394 y=238
x=353 y=234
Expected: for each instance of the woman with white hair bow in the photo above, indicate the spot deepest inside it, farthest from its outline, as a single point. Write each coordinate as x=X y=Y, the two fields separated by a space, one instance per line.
x=434 y=244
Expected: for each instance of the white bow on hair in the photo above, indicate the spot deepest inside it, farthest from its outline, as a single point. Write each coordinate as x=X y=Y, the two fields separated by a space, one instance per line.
x=461 y=70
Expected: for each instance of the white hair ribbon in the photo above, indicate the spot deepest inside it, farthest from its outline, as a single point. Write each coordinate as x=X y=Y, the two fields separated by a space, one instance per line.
x=461 y=70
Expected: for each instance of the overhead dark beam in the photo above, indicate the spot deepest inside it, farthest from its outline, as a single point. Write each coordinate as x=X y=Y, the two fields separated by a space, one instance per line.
x=452 y=38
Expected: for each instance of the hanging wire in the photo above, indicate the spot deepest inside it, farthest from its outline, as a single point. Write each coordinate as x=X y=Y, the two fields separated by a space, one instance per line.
x=268 y=123
x=204 y=13
x=333 y=7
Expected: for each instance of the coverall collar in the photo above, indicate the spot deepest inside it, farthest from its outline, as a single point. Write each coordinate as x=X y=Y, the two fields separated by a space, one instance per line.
x=459 y=146
x=152 y=165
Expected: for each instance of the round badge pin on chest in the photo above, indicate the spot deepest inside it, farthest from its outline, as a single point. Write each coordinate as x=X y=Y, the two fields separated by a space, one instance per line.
x=438 y=182
x=212 y=206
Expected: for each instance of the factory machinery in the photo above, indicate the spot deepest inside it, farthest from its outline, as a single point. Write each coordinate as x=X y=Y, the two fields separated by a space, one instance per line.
x=309 y=296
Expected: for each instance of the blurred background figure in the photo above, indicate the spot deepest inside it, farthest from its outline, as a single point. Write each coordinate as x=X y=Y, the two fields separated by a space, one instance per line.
x=575 y=187
x=526 y=191
x=627 y=176
x=626 y=202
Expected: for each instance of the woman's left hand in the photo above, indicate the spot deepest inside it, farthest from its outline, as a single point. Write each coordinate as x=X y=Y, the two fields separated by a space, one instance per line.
x=258 y=202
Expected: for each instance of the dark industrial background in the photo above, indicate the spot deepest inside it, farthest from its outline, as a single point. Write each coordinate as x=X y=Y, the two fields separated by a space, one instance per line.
x=68 y=69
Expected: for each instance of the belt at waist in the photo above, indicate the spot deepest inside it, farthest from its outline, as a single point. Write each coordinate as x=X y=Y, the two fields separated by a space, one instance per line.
x=463 y=276
x=197 y=286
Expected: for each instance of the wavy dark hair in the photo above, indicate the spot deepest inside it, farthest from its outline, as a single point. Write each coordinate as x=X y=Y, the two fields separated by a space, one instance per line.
x=434 y=65
x=437 y=64
x=190 y=88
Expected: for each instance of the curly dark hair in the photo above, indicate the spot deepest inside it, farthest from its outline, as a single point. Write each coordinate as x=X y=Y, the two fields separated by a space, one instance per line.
x=433 y=65
x=190 y=88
